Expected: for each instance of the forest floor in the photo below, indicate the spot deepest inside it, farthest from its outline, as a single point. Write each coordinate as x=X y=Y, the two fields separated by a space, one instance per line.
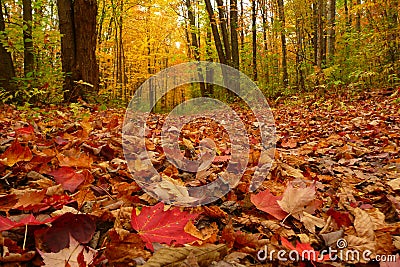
x=67 y=197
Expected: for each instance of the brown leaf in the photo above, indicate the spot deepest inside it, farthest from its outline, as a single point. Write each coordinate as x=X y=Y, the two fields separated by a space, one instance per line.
x=363 y=224
x=296 y=200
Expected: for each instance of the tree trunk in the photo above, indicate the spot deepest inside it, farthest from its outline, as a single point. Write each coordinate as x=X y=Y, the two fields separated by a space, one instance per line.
x=285 y=76
x=209 y=70
x=78 y=48
x=234 y=33
x=241 y=25
x=195 y=44
x=27 y=34
x=393 y=27
x=6 y=63
x=66 y=24
x=85 y=12
x=265 y=41
x=224 y=31
x=331 y=30
x=358 y=16
x=254 y=38
x=320 y=34
x=214 y=29
x=299 y=56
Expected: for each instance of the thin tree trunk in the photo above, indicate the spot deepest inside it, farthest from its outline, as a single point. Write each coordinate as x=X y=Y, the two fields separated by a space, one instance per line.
x=265 y=41
x=195 y=44
x=331 y=30
x=6 y=62
x=27 y=34
x=209 y=70
x=234 y=33
x=315 y=30
x=101 y=21
x=392 y=37
x=68 y=51
x=285 y=76
x=224 y=31
x=320 y=34
x=241 y=25
x=214 y=29
x=358 y=16
x=324 y=37
x=254 y=38
x=299 y=56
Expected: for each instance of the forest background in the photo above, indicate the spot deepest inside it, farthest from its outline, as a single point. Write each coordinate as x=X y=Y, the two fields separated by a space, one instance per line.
x=56 y=51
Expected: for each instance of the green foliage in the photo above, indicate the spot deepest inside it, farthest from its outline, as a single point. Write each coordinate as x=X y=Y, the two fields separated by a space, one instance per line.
x=44 y=84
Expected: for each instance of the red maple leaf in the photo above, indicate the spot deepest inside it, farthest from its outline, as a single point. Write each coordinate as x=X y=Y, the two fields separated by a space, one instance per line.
x=267 y=202
x=156 y=225
x=7 y=224
x=68 y=178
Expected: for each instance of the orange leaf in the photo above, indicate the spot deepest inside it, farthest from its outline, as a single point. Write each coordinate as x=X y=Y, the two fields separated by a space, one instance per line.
x=15 y=153
x=267 y=202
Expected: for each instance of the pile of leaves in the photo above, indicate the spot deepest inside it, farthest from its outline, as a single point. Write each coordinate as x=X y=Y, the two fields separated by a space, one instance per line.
x=68 y=198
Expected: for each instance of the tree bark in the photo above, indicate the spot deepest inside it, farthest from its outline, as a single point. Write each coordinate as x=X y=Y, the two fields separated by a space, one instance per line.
x=195 y=44
x=85 y=12
x=78 y=48
x=285 y=76
x=331 y=30
x=358 y=16
x=320 y=33
x=224 y=31
x=27 y=34
x=265 y=41
x=6 y=62
x=241 y=25
x=254 y=38
x=234 y=33
x=214 y=29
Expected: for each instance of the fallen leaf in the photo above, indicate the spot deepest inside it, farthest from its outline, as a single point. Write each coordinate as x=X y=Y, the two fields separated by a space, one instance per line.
x=296 y=200
x=156 y=225
x=204 y=255
x=15 y=153
x=75 y=255
x=68 y=178
x=268 y=203
x=79 y=226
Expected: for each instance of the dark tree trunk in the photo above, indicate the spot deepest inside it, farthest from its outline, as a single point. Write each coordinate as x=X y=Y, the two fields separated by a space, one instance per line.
x=214 y=29
x=66 y=24
x=254 y=38
x=209 y=70
x=78 y=48
x=224 y=31
x=85 y=12
x=28 y=42
x=358 y=16
x=285 y=76
x=241 y=25
x=393 y=26
x=234 y=33
x=6 y=63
